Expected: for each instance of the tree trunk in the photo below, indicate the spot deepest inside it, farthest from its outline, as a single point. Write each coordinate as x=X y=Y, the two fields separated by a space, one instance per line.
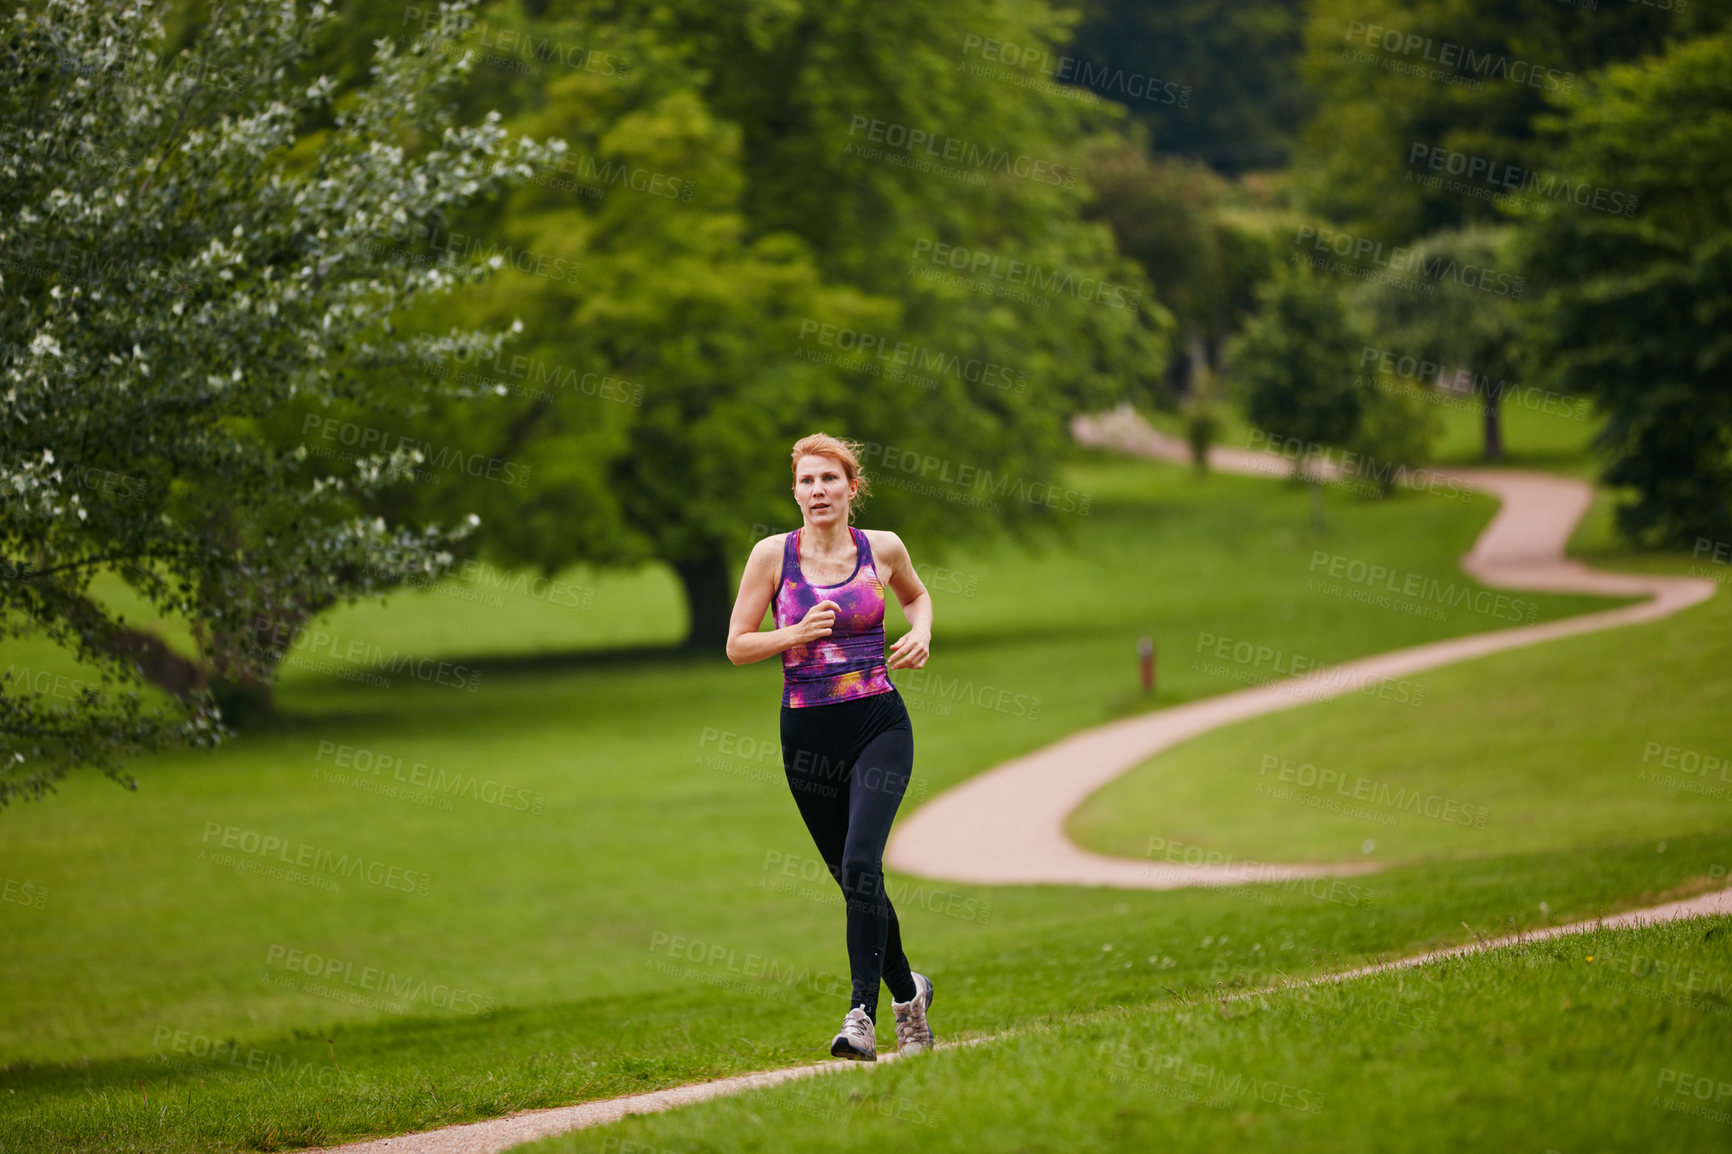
x=1493 y=422
x=1199 y=358
x=246 y=695
x=157 y=663
x=709 y=601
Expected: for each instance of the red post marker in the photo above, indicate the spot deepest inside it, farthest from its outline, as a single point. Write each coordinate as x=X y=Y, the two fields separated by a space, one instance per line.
x=1146 y=650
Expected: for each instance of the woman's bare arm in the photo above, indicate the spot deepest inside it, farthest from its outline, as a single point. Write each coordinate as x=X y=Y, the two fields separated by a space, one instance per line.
x=746 y=641
x=914 y=647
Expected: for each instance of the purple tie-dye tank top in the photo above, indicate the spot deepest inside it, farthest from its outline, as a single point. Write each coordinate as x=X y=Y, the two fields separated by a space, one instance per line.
x=850 y=662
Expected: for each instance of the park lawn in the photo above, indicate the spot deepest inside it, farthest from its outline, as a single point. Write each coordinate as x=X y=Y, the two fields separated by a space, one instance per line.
x=655 y=812
x=1610 y=1040
x=1490 y=767
x=1557 y=746
x=1025 y=956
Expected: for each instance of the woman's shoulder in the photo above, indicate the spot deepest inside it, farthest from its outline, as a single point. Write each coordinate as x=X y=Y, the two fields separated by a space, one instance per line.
x=884 y=542
x=771 y=547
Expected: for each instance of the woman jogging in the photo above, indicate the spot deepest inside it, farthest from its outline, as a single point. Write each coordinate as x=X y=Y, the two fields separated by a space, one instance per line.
x=847 y=745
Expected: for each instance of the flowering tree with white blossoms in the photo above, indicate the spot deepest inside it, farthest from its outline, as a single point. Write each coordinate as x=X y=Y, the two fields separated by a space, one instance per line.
x=190 y=240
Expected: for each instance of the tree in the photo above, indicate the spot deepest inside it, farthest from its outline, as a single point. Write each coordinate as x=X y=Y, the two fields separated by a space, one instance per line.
x=1469 y=323
x=1397 y=424
x=1292 y=367
x=181 y=263
x=1172 y=218
x=1213 y=83
x=1635 y=308
x=1424 y=111
x=943 y=301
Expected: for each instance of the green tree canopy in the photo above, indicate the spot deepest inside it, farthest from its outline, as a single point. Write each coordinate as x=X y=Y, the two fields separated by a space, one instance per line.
x=1464 y=325
x=1637 y=311
x=1448 y=89
x=1217 y=83
x=1292 y=367
x=179 y=265
x=862 y=238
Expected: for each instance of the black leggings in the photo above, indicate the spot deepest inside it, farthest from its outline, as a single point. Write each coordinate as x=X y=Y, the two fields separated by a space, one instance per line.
x=848 y=765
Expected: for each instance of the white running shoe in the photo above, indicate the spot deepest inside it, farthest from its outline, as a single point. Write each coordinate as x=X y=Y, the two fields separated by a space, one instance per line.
x=856 y=1041
x=913 y=1035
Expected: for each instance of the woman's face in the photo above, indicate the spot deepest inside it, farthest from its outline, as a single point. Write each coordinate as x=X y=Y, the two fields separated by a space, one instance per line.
x=823 y=490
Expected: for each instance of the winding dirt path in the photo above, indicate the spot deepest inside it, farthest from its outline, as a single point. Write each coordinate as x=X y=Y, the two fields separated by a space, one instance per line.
x=1006 y=826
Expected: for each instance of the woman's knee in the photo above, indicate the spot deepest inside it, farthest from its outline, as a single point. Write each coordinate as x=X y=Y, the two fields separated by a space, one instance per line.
x=862 y=876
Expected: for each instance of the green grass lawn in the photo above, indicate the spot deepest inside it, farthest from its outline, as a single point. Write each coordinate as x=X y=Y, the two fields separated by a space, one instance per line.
x=1613 y=1040
x=618 y=892
x=1557 y=746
